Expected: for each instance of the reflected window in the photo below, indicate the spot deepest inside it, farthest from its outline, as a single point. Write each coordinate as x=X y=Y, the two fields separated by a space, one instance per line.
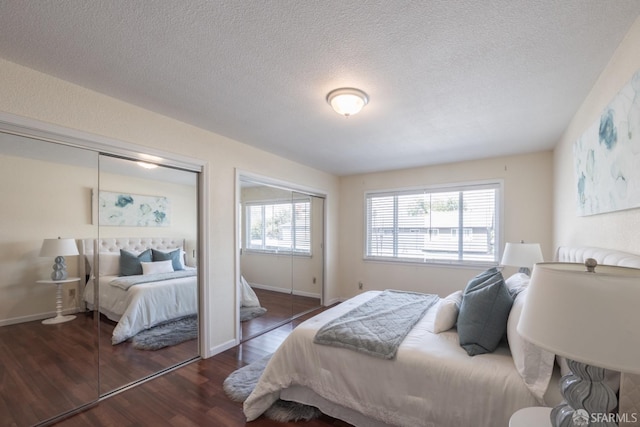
x=279 y=227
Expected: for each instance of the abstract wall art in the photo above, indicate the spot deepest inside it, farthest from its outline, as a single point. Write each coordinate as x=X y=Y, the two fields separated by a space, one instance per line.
x=133 y=210
x=607 y=156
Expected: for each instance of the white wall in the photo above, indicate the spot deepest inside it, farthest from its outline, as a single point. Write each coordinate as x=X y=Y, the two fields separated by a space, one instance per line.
x=617 y=230
x=38 y=96
x=527 y=216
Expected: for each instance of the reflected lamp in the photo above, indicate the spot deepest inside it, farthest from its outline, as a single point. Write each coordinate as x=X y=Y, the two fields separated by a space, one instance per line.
x=59 y=248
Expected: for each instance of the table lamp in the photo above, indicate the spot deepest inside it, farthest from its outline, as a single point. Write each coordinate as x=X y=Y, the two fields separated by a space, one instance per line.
x=588 y=314
x=523 y=255
x=59 y=248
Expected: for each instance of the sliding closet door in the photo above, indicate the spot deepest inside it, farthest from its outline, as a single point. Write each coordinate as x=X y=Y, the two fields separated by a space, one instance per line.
x=145 y=202
x=308 y=252
x=48 y=342
x=281 y=254
x=265 y=261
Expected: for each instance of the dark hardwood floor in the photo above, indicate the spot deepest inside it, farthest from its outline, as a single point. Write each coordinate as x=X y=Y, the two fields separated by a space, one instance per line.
x=192 y=395
x=280 y=307
x=46 y=370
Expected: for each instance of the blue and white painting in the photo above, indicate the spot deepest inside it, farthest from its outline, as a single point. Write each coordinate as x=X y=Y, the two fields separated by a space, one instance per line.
x=133 y=210
x=607 y=156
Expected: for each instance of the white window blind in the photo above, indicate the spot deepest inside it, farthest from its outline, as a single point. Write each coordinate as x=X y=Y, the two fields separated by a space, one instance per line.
x=279 y=227
x=451 y=225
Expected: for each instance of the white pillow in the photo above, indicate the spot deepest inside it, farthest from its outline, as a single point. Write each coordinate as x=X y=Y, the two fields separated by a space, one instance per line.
x=109 y=264
x=517 y=283
x=157 y=267
x=534 y=364
x=447 y=314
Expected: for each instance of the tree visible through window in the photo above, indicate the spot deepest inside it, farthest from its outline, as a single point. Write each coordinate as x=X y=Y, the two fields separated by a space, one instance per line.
x=279 y=226
x=457 y=224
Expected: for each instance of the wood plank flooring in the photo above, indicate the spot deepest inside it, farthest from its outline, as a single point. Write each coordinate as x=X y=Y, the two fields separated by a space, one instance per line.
x=192 y=395
x=280 y=307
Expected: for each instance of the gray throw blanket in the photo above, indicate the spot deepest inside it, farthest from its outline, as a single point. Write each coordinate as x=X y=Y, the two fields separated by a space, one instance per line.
x=378 y=326
x=125 y=282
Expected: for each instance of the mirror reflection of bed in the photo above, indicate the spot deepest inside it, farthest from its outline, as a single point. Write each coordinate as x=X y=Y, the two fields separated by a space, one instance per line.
x=148 y=319
x=282 y=254
x=52 y=189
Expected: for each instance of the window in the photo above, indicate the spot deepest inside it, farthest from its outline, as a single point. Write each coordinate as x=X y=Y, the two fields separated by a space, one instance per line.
x=457 y=224
x=279 y=227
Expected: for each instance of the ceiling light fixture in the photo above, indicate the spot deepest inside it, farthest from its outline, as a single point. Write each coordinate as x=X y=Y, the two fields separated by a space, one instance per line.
x=347 y=101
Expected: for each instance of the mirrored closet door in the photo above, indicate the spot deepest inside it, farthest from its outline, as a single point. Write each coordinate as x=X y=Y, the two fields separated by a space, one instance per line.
x=281 y=255
x=79 y=319
x=48 y=343
x=148 y=221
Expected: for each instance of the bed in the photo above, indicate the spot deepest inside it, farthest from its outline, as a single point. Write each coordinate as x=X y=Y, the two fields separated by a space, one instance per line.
x=160 y=297
x=432 y=381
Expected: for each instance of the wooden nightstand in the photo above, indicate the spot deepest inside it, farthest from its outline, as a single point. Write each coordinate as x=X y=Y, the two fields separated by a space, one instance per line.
x=537 y=416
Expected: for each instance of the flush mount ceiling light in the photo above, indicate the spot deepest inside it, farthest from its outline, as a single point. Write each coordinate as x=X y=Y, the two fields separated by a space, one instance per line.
x=347 y=101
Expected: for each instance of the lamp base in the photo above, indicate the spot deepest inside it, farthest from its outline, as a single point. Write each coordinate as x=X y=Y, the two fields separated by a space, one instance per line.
x=59 y=269
x=58 y=319
x=588 y=399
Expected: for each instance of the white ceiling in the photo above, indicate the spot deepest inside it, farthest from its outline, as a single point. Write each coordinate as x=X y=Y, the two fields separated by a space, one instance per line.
x=448 y=80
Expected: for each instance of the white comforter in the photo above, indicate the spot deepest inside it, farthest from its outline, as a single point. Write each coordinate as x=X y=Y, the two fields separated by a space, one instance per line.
x=145 y=305
x=432 y=382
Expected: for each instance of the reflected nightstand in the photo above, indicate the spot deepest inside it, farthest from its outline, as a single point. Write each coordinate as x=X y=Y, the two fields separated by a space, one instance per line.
x=59 y=317
x=537 y=416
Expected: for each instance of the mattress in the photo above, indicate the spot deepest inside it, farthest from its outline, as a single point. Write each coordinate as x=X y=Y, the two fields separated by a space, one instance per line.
x=431 y=382
x=145 y=305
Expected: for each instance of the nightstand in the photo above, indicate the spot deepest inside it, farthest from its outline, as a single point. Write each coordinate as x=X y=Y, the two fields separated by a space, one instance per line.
x=59 y=317
x=537 y=416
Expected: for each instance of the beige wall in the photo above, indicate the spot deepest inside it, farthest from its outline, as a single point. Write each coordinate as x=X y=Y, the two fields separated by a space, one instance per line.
x=617 y=230
x=38 y=96
x=527 y=216
x=40 y=200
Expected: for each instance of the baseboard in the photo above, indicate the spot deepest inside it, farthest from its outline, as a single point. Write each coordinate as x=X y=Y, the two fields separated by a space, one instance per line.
x=222 y=347
x=37 y=316
x=334 y=301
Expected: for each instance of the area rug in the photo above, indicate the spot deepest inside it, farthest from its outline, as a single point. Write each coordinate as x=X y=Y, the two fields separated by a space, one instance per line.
x=167 y=334
x=239 y=385
x=248 y=313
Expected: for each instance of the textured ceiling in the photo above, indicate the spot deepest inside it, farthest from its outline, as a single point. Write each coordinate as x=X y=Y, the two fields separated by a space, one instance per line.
x=448 y=80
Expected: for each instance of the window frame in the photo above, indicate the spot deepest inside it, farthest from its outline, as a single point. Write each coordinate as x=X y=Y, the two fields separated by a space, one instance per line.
x=497 y=184
x=275 y=251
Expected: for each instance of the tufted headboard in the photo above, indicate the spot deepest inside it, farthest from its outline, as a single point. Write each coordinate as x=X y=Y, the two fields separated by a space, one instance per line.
x=603 y=256
x=629 y=401
x=89 y=248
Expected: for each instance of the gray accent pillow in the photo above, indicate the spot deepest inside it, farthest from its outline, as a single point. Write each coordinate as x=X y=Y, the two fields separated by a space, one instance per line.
x=174 y=256
x=130 y=262
x=484 y=311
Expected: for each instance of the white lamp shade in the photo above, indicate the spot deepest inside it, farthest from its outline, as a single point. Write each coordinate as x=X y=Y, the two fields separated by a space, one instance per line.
x=591 y=318
x=522 y=254
x=347 y=101
x=58 y=247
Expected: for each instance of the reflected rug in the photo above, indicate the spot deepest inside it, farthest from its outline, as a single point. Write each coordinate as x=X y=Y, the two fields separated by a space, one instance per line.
x=167 y=334
x=239 y=385
x=248 y=313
